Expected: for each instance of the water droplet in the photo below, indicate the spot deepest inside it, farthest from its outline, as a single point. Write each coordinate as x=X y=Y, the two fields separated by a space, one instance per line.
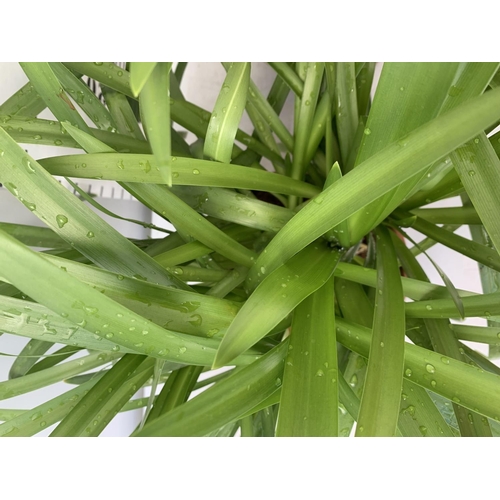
x=401 y=88
x=408 y=372
x=423 y=430
x=367 y=131
x=28 y=205
x=212 y=332
x=454 y=91
x=196 y=171
x=354 y=380
x=455 y=399
x=277 y=382
x=382 y=344
x=476 y=141
x=61 y=220
x=446 y=361
x=182 y=350
x=263 y=270
x=90 y=234
x=428 y=307
x=196 y=320
x=120 y=165
x=433 y=383
x=430 y=368
x=58 y=142
x=320 y=373
x=472 y=173
x=116 y=348
x=98 y=63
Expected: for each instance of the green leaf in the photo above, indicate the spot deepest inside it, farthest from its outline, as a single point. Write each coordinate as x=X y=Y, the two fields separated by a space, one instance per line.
x=305 y=118
x=28 y=383
x=346 y=107
x=378 y=414
x=480 y=253
x=33 y=421
x=462 y=383
x=48 y=86
x=221 y=203
x=418 y=415
x=122 y=113
x=379 y=174
x=25 y=102
x=66 y=295
x=107 y=73
x=309 y=396
x=484 y=334
x=392 y=116
x=76 y=224
x=227 y=113
x=155 y=109
x=50 y=133
x=278 y=294
x=225 y=401
x=452 y=215
x=34 y=236
x=184 y=218
x=139 y=74
x=448 y=283
x=78 y=422
x=84 y=97
x=29 y=355
x=186 y=172
x=289 y=77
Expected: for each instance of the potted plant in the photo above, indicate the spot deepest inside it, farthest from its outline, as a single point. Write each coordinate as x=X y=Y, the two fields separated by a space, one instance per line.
x=290 y=266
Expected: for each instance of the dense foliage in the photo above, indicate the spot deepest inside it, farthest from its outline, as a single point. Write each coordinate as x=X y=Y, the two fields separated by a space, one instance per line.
x=290 y=265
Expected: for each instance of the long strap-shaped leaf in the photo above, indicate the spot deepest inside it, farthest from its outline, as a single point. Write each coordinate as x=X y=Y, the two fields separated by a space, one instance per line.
x=33 y=421
x=34 y=236
x=155 y=110
x=49 y=133
x=378 y=414
x=84 y=97
x=392 y=116
x=84 y=305
x=378 y=174
x=278 y=294
x=452 y=215
x=76 y=224
x=37 y=322
x=25 y=102
x=179 y=309
x=107 y=73
x=50 y=89
x=29 y=355
x=459 y=382
x=28 y=383
x=485 y=305
x=90 y=406
x=225 y=401
x=186 y=219
x=309 y=396
x=227 y=113
x=185 y=171
x=480 y=253
x=139 y=74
